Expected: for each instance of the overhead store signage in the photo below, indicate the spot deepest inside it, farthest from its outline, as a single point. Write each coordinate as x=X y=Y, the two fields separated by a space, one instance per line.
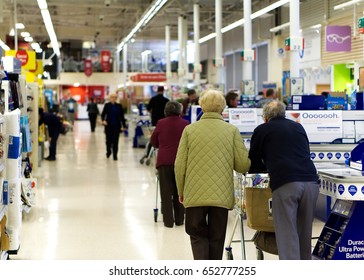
x=27 y=58
x=361 y=25
x=38 y=67
x=105 y=61
x=87 y=67
x=149 y=77
x=338 y=38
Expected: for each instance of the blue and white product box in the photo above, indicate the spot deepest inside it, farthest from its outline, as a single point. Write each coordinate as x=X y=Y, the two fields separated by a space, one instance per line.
x=5 y=193
x=337 y=101
x=308 y=102
x=14 y=147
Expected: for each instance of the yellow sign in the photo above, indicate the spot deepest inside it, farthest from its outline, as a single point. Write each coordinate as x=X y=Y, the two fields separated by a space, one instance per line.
x=27 y=58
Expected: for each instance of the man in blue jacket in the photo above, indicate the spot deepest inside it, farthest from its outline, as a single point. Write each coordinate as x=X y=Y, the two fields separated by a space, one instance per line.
x=281 y=147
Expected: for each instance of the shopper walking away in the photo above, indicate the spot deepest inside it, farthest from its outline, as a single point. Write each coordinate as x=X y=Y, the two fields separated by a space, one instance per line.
x=208 y=153
x=113 y=119
x=269 y=96
x=166 y=138
x=93 y=112
x=54 y=126
x=156 y=106
x=281 y=147
x=71 y=110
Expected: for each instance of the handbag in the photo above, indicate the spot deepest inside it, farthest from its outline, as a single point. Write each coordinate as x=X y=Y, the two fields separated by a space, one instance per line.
x=266 y=241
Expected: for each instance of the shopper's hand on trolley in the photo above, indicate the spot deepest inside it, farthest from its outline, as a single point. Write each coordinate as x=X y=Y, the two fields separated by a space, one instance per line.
x=104 y=122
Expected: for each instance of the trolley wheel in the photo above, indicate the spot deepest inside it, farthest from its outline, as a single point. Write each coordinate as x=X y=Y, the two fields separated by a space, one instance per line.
x=141 y=161
x=147 y=162
x=229 y=254
x=155 y=215
x=260 y=255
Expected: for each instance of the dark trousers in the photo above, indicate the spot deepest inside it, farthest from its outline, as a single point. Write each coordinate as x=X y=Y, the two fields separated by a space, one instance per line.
x=92 y=118
x=53 y=144
x=112 y=140
x=173 y=210
x=206 y=227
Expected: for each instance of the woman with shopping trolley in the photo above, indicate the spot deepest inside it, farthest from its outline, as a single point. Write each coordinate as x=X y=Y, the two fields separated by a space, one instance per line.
x=209 y=152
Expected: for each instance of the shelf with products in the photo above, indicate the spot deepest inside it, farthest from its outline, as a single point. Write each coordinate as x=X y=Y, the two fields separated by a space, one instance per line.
x=342 y=237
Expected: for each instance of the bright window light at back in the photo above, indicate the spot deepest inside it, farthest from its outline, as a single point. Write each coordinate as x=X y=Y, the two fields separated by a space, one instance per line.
x=19 y=25
x=25 y=34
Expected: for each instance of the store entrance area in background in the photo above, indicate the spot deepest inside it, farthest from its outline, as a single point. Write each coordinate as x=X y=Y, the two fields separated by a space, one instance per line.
x=88 y=207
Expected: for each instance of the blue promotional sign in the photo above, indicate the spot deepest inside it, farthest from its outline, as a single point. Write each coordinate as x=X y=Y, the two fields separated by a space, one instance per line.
x=352 y=190
x=341 y=189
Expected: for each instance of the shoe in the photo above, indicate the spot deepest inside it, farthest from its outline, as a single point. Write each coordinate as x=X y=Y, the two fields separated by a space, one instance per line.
x=168 y=226
x=115 y=158
x=179 y=223
x=50 y=158
x=108 y=155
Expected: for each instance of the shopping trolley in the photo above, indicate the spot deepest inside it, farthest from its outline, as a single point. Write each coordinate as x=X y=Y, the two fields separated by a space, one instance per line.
x=155 y=210
x=149 y=150
x=253 y=199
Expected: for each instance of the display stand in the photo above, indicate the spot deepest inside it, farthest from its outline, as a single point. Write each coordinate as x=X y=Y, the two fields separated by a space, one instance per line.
x=342 y=235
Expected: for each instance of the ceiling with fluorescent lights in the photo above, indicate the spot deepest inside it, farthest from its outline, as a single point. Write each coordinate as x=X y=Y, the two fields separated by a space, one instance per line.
x=76 y=21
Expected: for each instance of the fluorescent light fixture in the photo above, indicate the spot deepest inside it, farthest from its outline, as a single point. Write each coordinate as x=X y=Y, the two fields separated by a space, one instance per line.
x=19 y=25
x=242 y=21
x=25 y=34
x=279 y=27
x=12 y=32
x=4 y=46
x=316 y=26
x=39 y=50
x=347 y=4
x=88 y=45
x=28 y=39
x=42 y=4
x=233 y=25
x=76 y=84
x=52 y=35
x=153 y=10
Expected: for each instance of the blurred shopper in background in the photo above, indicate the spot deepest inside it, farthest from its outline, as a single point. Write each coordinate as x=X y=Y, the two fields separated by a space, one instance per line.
x=71 y=110
x=113 y=119
x=93 y=112
x=269 y=96
x=208 y=153
x=55 y=127
x=232 y=99
x=156 y=106
x=281 y=147
x=166 y=138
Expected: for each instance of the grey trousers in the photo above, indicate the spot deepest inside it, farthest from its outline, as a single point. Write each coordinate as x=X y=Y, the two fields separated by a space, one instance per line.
x=293 y=206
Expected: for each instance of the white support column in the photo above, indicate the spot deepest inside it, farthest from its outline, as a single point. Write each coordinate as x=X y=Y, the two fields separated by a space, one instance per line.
x=185 y=63
x=125 y=64
x=117 y=62
x=168 y=57
x=247 y=65
x=219 y=61
x=181 y=71
x=196 y=38
x=15 y=30
x=294 y=18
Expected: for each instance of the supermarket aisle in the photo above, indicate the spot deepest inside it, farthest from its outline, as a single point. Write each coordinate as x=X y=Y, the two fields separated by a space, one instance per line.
x=89 y=207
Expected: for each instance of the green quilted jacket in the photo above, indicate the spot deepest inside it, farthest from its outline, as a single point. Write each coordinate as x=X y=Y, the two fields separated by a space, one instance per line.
x=208 y=152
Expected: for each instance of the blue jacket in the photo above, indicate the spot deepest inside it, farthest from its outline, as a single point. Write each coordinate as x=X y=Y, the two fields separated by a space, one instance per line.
x=281 y=147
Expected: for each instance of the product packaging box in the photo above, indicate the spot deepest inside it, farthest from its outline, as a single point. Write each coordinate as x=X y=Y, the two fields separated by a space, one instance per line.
x=337 y=101
x=357 y=102
x=308 y=102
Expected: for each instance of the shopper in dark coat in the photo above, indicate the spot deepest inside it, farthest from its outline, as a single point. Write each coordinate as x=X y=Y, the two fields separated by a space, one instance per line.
x=191 y=99
x=281 y=147
x=166 y=138
x=93 y=112
x=156 y=106
x=54 y=126
x=113 y=119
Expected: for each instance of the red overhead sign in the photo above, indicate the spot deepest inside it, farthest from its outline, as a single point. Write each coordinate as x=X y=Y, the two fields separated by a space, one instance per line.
x=149 y=77
x=87 y=67
x=105 y=61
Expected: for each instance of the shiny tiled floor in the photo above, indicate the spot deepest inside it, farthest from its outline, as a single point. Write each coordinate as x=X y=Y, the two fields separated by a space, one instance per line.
x=89 y=207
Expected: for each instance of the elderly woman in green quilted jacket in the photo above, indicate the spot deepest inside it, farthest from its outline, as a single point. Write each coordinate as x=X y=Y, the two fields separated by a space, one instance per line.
x=208 y=153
